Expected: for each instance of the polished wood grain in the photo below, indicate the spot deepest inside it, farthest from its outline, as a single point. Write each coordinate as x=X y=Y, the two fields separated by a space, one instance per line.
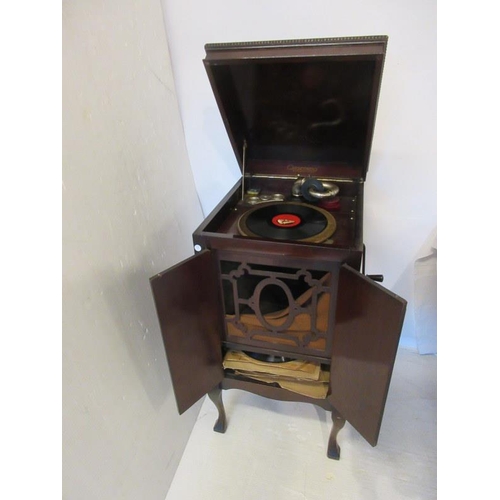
x=365 y=340
x=365 y=319
x=190 y=322
x=333 y=450
x=215 y=396
x=265 y=88
x=270 y=391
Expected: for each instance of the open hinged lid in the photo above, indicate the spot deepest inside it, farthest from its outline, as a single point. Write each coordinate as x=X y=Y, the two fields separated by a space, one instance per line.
x=300 y=106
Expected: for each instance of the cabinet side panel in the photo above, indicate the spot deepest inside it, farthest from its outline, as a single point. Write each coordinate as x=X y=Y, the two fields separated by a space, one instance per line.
x=188 y=311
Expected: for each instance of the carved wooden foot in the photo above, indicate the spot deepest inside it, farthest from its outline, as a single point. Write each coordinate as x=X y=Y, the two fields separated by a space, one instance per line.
x=333 y=446
x=216 y=397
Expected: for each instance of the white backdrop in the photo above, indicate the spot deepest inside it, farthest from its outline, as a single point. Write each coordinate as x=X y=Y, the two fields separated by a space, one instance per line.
x=400 y=192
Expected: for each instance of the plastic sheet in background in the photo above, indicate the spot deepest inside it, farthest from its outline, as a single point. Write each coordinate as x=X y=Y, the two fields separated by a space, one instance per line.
x=425 y=306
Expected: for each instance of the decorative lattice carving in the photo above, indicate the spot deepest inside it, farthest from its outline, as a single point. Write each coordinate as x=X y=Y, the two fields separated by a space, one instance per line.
x=283 y=324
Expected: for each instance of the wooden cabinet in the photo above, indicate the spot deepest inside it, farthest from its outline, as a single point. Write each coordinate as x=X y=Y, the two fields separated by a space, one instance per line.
x=294 y=111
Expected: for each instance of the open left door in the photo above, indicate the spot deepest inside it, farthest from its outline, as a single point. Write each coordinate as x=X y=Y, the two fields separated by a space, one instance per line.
x=368 y=325
x=187 y=305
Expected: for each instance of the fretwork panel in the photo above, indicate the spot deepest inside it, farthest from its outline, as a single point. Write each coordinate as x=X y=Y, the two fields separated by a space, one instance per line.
x=281 y=306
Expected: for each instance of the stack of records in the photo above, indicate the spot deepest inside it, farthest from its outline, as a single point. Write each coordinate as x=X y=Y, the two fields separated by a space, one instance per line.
x=302 y=377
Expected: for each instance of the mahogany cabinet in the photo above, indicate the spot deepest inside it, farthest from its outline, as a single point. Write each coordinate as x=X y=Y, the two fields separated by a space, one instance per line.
x=295 y=111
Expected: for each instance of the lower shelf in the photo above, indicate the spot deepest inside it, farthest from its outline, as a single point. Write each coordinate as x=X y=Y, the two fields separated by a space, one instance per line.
x=270 y=391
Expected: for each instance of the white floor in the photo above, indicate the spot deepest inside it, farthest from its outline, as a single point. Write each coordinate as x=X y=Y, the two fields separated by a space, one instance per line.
x=275 y=450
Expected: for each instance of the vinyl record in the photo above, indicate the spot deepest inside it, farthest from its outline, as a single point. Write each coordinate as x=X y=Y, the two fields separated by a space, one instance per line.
x=267 y=358
x=288 y=221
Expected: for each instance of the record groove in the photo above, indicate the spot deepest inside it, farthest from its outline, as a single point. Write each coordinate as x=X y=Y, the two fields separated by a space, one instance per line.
x=288 y=221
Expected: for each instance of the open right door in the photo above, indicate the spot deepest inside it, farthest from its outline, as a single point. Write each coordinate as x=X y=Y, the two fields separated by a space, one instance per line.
x=368 y=325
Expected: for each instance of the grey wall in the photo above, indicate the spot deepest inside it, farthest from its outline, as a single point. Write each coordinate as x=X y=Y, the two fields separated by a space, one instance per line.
x=129 y=208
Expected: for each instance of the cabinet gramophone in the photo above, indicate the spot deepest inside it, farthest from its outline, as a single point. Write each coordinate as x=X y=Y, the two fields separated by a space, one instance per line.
x=275 y=300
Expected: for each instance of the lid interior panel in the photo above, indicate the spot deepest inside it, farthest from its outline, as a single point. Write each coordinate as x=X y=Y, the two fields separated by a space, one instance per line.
x=316 y=109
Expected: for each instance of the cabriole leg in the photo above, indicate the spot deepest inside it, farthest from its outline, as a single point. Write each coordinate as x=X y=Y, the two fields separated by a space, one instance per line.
x=333 y=446
x=216 y=397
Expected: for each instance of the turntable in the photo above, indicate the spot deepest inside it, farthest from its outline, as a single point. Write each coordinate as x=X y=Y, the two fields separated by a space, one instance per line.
x=278 y=271
x=288 y=221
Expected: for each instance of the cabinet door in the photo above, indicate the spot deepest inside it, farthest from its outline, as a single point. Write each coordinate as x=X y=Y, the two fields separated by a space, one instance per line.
x=188 y=308
x=368 y=325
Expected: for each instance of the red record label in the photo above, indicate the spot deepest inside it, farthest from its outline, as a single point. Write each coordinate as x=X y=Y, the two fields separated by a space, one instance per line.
x=286 y=220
